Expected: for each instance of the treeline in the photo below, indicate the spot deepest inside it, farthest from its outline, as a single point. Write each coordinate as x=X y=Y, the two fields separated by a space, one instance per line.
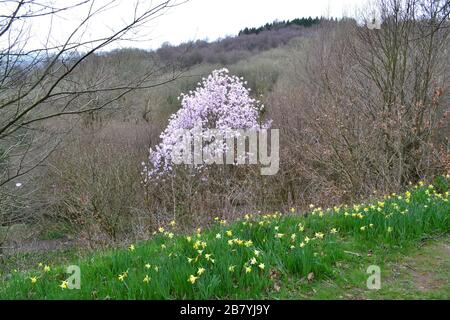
x=234 y=48
x=228 y=50
x=304 y=22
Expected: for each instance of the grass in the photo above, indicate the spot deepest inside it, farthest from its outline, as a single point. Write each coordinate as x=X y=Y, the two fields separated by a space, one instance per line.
x=406 y=273
x=323 y=254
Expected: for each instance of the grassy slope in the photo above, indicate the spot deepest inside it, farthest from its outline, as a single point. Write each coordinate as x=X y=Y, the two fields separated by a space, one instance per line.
x=331 y=247
x=406 y=273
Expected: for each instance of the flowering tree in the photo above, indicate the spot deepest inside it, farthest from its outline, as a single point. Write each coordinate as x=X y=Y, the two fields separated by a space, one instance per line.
x=220 y=102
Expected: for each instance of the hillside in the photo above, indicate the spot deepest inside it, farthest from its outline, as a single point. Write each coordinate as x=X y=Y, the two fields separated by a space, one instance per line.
x=276 y=255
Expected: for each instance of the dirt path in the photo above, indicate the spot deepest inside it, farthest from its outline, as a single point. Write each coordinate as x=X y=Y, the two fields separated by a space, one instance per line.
x=40 y=245
x=419 y=273
x=425 y=274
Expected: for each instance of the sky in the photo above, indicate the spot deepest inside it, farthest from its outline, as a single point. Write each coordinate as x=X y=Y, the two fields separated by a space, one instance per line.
x=188 y=20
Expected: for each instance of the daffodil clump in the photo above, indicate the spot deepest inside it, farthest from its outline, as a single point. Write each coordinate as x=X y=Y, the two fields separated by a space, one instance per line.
x=244 y=258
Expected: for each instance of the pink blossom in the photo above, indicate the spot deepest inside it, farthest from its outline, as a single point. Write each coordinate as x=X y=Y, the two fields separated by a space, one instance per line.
x=220 y=102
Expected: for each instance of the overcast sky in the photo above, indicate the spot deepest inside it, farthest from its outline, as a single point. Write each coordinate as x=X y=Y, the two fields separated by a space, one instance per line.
x=191 y=20
x=212 y=19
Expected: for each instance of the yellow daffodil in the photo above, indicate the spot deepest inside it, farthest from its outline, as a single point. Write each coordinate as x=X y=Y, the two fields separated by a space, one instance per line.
x=64 y=285
x=189 y=239
x=256 y=252
x=389 y=229
x=231 y=268
x=192 y=279
x=248 y=269
x=302 y=245
x=253 y=260
x=292 y=210
x=333 y=230
x=161 y=229
x=47 y=268
x=132 y=248
x=33 y=279
x=172 y=223
x=307 y=239
x=148 y=266
x=248 y=243
x=319 y=235
x=122 y=276
x=261 y=266
x=229 y=233
x=218 y=236
x=146 y=279
x=363 y=228
x=200 y=271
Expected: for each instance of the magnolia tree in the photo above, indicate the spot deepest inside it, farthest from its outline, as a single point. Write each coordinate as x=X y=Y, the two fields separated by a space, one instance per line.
x=221 y=106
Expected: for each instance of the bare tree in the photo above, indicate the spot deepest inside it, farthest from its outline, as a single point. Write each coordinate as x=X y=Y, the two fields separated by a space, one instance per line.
x=404 y=65
x=58 y=79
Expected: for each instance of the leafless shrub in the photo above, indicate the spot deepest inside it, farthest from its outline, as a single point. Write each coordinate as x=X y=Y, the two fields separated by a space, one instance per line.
x=367 y=114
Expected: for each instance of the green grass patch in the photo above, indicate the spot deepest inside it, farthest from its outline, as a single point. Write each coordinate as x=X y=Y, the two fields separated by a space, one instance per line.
x=291 y=255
